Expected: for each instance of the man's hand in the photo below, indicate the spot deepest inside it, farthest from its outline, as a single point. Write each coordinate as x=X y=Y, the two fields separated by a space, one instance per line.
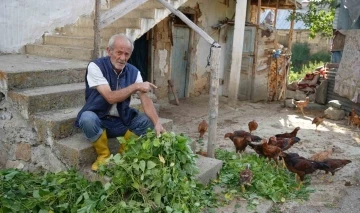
x=159 y=128
x=145 y=86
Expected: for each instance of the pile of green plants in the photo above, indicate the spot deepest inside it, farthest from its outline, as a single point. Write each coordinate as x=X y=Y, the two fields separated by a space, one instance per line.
x=154 y=174
x=277 y=184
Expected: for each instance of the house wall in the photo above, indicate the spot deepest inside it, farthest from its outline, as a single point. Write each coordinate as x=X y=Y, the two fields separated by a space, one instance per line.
x=208 y=13
x=21 y=25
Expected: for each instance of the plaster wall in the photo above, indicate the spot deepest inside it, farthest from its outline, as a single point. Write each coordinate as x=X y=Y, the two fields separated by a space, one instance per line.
x=25 y=21
x=209 y=13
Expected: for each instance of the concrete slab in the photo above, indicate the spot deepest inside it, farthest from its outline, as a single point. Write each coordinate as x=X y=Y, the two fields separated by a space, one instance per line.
x=209 y=169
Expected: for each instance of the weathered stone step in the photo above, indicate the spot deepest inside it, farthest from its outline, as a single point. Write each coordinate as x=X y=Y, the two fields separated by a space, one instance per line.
x=40 y=99
x=59 y=51
x=124 y=22
x=69 y=41
x=57 y=124
x=39 y=71
x=76 y=151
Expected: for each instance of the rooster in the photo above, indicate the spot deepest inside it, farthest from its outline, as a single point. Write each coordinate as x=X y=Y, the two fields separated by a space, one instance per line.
x=253 y=125
x=301 y=104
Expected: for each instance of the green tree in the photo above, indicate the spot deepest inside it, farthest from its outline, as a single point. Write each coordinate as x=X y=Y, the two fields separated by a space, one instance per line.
x=319 y=17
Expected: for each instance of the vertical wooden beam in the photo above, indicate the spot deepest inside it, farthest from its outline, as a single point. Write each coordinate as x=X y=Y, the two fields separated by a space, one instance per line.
x=276 y=12
x=291 y=32
x=213 y=99
x=257 y=36
x=289 y=52
x=237 y=50
x=97 y=40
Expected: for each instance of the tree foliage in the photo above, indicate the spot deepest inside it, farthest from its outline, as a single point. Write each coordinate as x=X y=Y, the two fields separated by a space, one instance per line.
x=319 y=17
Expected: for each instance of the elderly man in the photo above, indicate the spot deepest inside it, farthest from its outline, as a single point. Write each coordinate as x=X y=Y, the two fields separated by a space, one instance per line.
x=110 y=82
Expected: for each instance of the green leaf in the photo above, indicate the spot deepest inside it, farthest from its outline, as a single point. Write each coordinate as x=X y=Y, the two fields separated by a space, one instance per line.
x=36 y=194
x=142 y=165
x=157 y=199
x=107 y=186
x=156 y=142
x=43 y=211
x=150 y=164
x=147 y=209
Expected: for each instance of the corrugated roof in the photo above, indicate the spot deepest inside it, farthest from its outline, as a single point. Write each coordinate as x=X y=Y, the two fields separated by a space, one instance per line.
x=281 y=22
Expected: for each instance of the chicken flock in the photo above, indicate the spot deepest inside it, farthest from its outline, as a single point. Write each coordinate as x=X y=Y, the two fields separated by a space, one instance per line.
x=275 y=148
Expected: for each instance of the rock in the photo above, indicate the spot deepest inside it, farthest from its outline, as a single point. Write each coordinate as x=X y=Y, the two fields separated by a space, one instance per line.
x=290 y=94
x=300 y=95
x=292 y=86
x=321 y=92
x=290 y=103
x=335 y=114
x=312 y=97
x=335 y=104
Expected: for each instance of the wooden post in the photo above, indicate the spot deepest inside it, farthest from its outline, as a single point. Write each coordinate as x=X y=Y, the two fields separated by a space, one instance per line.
x=276 y=12
x=97 y=40
x=237 y=50
x=289 y=52
x=257 y=36
x=291 y=32
x=213 y=99
x=189 y=23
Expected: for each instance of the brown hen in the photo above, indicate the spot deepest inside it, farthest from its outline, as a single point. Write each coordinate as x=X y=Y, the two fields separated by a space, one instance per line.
x=202 y=128
x=302 y=104
x=301 y=166
x=318 y=120
x=253 y=125
x=321 y=156
x=240 y=143
x=288 y=135
x=335 y=165
x=270 y=151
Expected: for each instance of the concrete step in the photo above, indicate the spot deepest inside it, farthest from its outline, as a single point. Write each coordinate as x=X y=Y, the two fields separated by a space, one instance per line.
x=124 y=22
x=59 y=51
x=39 y=71
x=58 y=124
x=69 y=41
x=76 y=152
x=40 y=99
x=79 y=31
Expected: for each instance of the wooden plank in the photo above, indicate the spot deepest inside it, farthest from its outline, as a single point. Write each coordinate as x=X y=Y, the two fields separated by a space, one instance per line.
x=119 y=11
x=187 y=21
x=97 y=40
x=237 y=51
x=213 y=99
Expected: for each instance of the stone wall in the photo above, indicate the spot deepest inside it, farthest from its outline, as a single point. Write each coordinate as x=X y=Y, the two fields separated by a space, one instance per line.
x=347 y=79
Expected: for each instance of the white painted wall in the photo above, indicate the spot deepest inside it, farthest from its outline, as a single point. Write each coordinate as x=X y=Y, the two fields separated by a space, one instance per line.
x=24 y=21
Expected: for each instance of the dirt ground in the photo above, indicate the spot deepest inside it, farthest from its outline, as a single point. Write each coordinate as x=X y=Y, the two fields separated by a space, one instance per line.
x=272 y=119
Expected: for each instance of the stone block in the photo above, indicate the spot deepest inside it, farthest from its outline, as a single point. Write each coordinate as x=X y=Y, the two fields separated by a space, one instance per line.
x=290 y=103
x=23 y=152
x=321 y=92
x=290 y=94
x=335 y=114
x=299 y=95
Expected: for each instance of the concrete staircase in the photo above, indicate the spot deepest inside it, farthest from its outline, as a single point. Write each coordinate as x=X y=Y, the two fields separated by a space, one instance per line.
x=49 y=93
x=76 y=41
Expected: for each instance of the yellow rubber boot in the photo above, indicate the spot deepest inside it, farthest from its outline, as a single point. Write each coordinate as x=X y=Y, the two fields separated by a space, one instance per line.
x=102 y=150
x=127 y=136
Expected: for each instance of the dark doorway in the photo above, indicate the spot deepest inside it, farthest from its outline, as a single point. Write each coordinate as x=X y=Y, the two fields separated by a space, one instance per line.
x=139 y=57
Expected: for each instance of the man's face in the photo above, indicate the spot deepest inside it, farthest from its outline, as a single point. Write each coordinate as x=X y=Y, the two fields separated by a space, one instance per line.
x=120 y=54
